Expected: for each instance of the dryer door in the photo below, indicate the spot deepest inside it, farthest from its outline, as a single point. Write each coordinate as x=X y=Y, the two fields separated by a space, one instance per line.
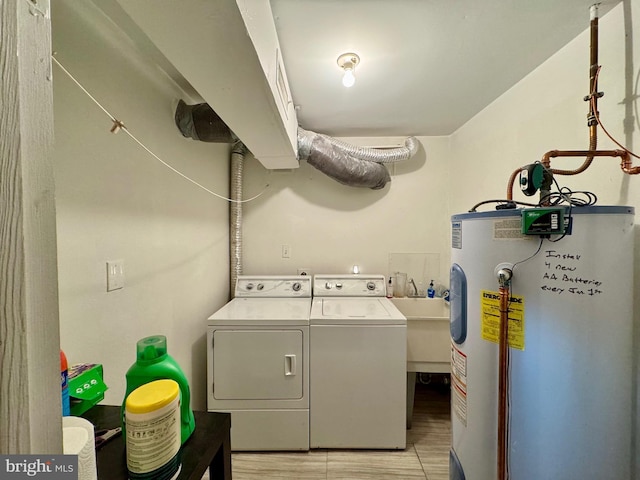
x=257 y=364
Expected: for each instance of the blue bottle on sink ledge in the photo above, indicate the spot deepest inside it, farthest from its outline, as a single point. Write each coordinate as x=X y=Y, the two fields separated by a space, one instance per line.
x=431 y=292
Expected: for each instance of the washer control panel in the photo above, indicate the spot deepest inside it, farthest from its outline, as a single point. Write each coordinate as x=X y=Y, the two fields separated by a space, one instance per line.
x=276 y=286
x=349 y=285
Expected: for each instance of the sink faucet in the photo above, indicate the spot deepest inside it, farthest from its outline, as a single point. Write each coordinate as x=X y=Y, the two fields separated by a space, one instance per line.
x=415 y=289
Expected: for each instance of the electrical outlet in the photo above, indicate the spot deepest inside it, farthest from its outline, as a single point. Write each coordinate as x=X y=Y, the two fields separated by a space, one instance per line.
x=304 y=271
x=115 y=275
x=286 y=251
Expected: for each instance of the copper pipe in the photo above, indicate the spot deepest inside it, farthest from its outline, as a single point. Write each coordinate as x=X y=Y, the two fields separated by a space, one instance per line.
x=593 y=65
x=503 y=383
x=626 y=166
x=512 y=180
x=625 y=163
x=546 y=158
x=592 y=117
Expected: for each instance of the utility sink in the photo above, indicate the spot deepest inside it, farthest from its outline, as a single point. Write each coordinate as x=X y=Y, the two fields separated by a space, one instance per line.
x=421 y=307
x=428 y=338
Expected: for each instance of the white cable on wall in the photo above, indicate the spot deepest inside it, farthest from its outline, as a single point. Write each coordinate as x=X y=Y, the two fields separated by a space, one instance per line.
x=118 y=125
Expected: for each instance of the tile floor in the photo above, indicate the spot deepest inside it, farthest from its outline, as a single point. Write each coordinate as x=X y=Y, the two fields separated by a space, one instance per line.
x=426 y=456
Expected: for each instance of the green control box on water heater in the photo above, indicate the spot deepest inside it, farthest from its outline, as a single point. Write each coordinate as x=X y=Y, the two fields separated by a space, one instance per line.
x=543 y=221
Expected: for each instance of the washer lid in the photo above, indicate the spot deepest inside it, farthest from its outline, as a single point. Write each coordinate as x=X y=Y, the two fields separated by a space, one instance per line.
x=260 y=311
x=355 y=310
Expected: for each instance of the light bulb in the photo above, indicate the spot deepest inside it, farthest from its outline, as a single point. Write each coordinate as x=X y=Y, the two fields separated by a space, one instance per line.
x=349 y=78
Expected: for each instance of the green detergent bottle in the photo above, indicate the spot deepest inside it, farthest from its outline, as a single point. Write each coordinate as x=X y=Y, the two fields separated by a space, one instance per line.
x=154 y=363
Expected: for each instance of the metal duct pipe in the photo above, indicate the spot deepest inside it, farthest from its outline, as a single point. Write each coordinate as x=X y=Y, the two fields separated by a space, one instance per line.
x=318 y=151
x=201 y=123
x=390 y=155
x=238 y=153
x=348 y=164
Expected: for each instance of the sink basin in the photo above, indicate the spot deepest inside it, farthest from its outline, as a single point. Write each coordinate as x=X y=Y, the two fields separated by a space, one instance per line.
x=428 y=337
x=422 y=307
x=428 y=340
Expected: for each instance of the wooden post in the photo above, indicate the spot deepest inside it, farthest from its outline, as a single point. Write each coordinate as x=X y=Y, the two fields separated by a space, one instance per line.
x=30 y=404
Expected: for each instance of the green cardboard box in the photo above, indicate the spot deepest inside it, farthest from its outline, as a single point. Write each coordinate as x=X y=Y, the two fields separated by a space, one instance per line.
x=86 y=386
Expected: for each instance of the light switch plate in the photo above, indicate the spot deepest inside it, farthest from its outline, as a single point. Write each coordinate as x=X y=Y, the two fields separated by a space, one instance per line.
x=115 y=275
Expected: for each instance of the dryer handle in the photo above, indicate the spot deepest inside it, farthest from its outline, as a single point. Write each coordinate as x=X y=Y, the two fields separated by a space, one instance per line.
x=289 y=365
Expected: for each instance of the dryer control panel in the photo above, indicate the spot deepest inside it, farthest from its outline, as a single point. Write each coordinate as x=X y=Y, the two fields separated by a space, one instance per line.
x=273 y=286
x=348 y=286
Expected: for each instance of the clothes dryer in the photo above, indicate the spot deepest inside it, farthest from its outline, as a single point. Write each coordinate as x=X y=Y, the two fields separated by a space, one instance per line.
x=358 y=365
x=258 y=362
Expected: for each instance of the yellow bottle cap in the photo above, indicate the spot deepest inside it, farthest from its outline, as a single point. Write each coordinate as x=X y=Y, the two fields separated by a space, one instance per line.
x=152 y=396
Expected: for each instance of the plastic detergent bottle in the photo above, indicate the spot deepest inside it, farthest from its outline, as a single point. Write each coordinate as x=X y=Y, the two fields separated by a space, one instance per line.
x=154 y=363
x=152 y=416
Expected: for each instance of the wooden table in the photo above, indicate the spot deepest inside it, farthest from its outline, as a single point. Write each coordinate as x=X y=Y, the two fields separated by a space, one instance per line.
x=208 y=447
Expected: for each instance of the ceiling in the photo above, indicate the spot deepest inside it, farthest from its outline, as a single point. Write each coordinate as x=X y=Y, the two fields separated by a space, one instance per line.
x=427 y=66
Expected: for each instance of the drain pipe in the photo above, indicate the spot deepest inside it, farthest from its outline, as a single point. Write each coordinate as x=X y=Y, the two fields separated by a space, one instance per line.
x=238 y=153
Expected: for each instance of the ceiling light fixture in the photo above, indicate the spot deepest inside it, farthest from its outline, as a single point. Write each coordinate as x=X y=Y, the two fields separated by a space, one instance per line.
x=348 y=62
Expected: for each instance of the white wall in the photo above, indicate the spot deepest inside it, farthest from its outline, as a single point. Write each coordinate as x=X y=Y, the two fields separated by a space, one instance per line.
x=330 y=227
x=114 y=201
x=545 y=111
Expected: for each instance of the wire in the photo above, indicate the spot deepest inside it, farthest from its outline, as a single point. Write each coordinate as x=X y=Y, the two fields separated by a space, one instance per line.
x=118 y=125
x=531 y=256
x=573 y=198
x=505 y=204
x=565 y=194
x=595 y=113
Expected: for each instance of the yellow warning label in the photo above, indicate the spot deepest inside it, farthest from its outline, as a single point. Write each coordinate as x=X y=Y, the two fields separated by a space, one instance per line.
x=490 y=318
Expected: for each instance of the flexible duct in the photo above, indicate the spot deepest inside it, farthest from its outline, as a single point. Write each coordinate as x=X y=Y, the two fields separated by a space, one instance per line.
x=348 y=164
x=319 y=152
x=377 y=155
x=200 y=122
x=238 y=153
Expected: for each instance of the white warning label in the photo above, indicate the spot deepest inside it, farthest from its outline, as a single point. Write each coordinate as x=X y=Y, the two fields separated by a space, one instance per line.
x=508 y=229
x=459 y=383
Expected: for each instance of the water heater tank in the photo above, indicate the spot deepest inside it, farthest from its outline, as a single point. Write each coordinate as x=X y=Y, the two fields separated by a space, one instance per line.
x=571 y=356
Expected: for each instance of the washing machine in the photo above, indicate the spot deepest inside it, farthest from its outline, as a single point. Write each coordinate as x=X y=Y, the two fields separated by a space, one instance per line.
x=258 y=362
x=358 y=365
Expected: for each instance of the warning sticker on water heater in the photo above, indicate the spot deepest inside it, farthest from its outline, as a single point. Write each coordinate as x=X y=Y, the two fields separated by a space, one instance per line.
x=459 y=383
x=490 y=318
